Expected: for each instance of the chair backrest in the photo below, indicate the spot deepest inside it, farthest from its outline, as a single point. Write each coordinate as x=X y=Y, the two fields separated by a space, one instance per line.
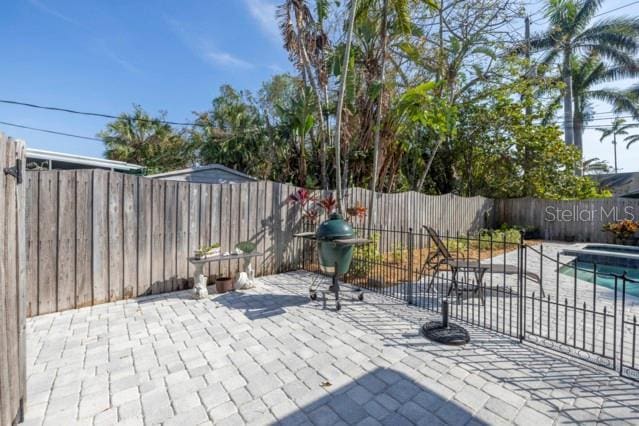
x=441 y=247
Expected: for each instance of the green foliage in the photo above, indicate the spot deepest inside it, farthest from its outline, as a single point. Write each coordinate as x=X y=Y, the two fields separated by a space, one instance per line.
x=496 y=238
x=365 y=257
x=398 y=253
x=141 y=139
x=246 y=246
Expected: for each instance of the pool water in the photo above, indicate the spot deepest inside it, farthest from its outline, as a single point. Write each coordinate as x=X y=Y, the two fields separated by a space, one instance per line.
x=585 y=272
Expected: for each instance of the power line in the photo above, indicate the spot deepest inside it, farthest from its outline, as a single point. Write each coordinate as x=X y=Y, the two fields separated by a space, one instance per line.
x=616 y=9
x=97 y=114
x=54 y=132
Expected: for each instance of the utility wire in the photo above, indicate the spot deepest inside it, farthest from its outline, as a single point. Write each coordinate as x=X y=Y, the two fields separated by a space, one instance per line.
x=54 y=132
x=97 y=114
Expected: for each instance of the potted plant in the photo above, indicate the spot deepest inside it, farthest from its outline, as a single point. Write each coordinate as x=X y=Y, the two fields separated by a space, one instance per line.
x=224 y=284
x=246 y=247
x=622 y=230
x=207 y=250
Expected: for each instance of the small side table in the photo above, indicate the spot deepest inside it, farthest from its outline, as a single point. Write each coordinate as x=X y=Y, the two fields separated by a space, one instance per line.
x=199 y=279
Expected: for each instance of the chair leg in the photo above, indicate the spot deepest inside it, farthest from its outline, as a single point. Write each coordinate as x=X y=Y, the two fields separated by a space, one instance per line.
x=432 y=279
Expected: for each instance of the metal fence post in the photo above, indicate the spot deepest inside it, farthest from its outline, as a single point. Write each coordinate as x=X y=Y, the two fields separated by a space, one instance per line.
x=411 y=246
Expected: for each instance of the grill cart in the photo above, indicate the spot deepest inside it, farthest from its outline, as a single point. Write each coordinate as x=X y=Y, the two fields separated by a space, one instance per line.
x=335 y=241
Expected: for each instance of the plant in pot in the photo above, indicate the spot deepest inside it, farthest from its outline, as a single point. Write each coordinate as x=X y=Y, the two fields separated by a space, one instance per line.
x=246 y=247
x=207 y=250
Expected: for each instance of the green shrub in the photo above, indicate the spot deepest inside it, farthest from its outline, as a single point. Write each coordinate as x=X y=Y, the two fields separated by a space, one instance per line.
x=397 y=254
x=498 y=237
x=365 y=257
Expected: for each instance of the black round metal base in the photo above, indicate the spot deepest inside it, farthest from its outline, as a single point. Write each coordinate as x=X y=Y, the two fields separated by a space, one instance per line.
x=451 y=335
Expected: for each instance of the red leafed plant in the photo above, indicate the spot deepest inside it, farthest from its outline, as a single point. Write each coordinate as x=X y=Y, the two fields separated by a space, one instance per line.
x=301 y=197
x=358 y=212
x=329 y=203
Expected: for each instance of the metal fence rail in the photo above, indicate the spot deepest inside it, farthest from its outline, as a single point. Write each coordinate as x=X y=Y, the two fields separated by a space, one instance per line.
x=576 y=309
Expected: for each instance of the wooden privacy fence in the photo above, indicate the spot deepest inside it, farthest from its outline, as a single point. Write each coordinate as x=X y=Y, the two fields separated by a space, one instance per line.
x=95 y=236
x=12 y=282
x=574 y=220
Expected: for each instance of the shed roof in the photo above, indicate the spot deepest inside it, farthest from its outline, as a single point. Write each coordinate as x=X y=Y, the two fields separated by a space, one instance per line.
x=199 y=169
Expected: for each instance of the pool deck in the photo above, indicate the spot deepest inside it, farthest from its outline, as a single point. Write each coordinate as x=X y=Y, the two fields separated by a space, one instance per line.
x=271 y=356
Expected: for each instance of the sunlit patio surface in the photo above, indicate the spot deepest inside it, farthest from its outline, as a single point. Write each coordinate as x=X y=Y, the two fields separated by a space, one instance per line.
x=272 y=356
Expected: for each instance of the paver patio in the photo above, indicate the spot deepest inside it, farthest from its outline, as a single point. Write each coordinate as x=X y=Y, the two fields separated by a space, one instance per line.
x=270 y=355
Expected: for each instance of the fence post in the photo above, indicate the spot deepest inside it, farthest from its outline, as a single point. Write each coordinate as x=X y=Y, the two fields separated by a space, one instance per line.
x=521 y=301
x=411 y=245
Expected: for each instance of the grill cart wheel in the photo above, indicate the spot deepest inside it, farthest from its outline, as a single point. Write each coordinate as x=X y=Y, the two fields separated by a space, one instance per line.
x=361 y=297
x=313 y=296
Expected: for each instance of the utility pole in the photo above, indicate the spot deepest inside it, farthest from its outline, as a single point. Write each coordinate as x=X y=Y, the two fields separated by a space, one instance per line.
x=527 y=52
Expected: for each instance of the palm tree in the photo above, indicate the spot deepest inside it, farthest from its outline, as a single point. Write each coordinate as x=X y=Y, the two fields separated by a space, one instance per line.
x=403 y=20
x=595 y=166
x=340 y=103
x=306 y=42
x=588 y=74
x=571 y=32
x=630 y=140
x=618 y=128
x=148 y=141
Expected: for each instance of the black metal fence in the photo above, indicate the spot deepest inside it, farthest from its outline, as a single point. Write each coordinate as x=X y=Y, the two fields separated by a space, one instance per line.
x=528 y=291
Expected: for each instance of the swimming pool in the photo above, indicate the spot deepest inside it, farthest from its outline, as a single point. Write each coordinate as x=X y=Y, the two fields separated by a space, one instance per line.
x=585 y=272
x=624 y=257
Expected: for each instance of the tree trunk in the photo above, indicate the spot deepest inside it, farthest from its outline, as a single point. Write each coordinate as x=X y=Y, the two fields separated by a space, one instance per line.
x=372 y=213
x=340 y=106
x=614 y=146
x=568 y=112
x=422 y=179
x=579 y=133
x=307 y=71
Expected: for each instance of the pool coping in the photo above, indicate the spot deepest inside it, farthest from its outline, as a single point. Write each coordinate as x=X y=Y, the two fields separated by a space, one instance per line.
x=584 y=251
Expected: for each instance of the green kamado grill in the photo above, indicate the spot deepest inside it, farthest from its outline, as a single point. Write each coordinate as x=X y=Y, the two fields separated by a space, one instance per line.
x=334 y=258
x=335 y=240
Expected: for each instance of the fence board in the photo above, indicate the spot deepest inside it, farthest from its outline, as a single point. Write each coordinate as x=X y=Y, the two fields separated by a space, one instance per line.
x=145 y=192
x=47 y=244
x=130 y=237
x=11 y=278
x=32 y=240
x=83 y=239
x=13 y=290
x=115 y=237
x=170 y=228
x=157 y=236
x=182 y=235
x=100 y=234
x=66 y=242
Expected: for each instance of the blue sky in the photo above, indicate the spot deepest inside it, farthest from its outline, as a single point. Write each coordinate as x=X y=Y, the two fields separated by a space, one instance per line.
x=104 y=56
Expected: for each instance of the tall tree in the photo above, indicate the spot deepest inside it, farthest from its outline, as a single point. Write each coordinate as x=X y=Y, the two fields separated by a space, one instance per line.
x=306 y=42
x=572 y=31
x=340 y=102
x=619 y=127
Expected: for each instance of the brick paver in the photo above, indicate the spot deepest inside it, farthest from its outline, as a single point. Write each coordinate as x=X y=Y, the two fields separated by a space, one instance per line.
x=270 y=355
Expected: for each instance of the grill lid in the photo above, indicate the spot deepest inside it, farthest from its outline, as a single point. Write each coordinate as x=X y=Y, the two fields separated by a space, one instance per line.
x=333 y=228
